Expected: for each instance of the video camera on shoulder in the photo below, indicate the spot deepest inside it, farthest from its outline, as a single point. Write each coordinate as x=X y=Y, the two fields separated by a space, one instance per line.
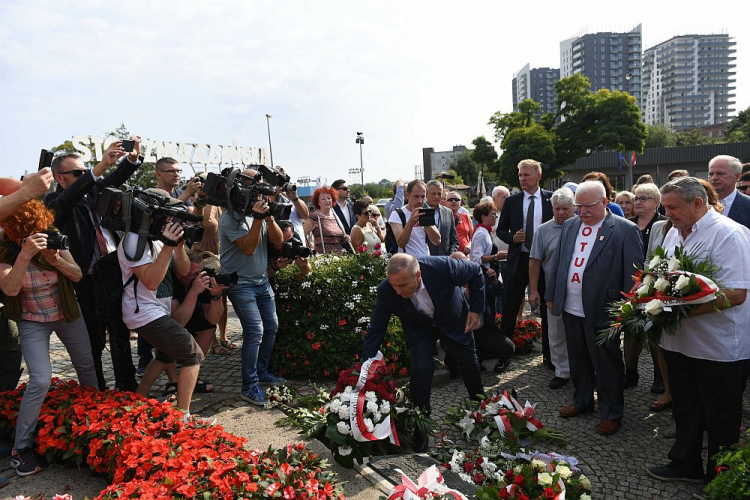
x=233 y=189
x=427 y=217
x=145 y=213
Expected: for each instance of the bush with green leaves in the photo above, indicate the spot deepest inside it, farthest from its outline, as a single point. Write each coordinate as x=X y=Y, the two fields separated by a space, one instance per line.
x=323 y=317
x=733 y=473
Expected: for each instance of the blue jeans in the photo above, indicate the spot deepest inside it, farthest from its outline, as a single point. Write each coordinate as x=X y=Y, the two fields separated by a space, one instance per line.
x=256 y=308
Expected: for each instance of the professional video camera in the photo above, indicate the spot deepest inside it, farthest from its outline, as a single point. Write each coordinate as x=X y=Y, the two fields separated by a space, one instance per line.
x=231 y=188
x=146 y=214
x=294 y=248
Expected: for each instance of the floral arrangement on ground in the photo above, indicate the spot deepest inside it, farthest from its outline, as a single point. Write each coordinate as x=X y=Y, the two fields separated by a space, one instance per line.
x=323 y=317
x=732 y=472
x=148 y=451
x=363 y=416
x=525 y=333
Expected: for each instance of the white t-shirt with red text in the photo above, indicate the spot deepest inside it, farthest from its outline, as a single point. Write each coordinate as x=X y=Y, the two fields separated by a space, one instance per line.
x=581 y=251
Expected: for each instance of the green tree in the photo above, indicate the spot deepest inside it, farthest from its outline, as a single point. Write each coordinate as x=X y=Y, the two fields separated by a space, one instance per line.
x=526 y=142
x=464 y=166
x=738 y=129
x=693 y=137
x=617 y=122
x=659 y=136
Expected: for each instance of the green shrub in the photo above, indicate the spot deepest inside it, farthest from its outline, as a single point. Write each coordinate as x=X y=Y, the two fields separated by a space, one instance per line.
x=323 y=317
x=733 y=468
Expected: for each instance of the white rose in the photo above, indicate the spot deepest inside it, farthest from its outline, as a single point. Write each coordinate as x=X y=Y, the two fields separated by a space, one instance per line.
x=539 y=464
x=372 y=406
x=564 y=471
x=674 y=264
x=654 y=307
x=345 y=450
x=370 y=396
x=661 y=284
x=585 y=482
x=369 y=424
x=489 y=467
x=517 y=469
x=544 y=478
x=385 y=407
x=377 y=416
x=335 y=406
x=654 y=262
x=342 y=428
x=585 y=496
x=682 y=282
x=643 y=290
x=344 y=412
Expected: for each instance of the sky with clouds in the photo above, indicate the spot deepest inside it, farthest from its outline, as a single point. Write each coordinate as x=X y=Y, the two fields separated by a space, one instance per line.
x=407 y=74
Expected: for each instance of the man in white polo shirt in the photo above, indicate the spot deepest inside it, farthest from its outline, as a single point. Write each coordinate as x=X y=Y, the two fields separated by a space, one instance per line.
x=410 y=235
x=707 y=355
x=596 y=259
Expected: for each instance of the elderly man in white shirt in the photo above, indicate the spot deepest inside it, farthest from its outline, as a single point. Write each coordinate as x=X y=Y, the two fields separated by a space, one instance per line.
x=707 y=356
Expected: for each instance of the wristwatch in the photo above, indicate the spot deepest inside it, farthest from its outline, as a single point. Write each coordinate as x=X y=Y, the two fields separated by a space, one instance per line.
x=216 y=297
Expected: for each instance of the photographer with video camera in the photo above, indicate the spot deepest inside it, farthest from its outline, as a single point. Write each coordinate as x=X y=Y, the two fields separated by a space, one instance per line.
x=147 y=296
x=245 y=235
x=73 y=203
x=37 y=273
x=292 y=251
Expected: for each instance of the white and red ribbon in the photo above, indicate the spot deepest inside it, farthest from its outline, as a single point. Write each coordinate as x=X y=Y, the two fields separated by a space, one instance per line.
x=511 y=405
x=430 y=481
x=358 y=402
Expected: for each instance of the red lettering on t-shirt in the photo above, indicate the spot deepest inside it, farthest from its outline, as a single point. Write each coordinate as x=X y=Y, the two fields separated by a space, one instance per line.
x=579 y=264
x=583 y=245
x=586 y=231
x=575 y=278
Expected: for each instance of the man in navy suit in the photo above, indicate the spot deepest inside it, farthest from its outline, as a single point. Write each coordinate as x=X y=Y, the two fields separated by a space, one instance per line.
x=522 y=214
x=344 y=209
x=426 y=294
x=723 y=173
x=596 y=259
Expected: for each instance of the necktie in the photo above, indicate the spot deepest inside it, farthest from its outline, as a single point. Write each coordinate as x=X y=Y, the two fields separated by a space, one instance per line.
x=100 y=240
x=530 y=223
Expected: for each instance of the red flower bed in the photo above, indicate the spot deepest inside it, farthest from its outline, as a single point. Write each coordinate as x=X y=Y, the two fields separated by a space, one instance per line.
x=149 y=452
x=524 y=333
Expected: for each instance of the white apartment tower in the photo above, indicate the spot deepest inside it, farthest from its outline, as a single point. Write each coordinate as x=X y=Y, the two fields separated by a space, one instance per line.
x=688 y=81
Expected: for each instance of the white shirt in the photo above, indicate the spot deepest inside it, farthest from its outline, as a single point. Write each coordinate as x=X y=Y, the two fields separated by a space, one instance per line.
x=727 y=202
x=537 y=211
x=152 y=304
x=718 y=336
x=481 y=245
x=344 y=210
x=581 y=250
x=422 y=300
x=417 y=244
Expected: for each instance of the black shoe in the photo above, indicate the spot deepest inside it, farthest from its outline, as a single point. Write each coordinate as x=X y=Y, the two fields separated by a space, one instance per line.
x=657 y=387
x=454 y=372
x=631 y=378
x=558 y=382
x=501 y=365
x=25 y=462
x=664 y=473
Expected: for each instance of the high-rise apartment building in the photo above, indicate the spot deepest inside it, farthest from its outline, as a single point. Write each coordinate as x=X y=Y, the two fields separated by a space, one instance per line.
x=609 y=60
x=537 y=84
x=688 y=81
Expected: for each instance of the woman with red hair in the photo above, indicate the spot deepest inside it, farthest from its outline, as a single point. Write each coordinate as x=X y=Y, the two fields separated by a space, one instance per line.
x=329 y=236
x=39 y=297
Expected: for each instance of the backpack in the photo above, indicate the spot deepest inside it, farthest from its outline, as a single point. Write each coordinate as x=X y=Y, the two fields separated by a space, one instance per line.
x=390 y=240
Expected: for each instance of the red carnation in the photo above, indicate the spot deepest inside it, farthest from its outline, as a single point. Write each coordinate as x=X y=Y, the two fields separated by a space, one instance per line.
x=519 y=480
x=478 y=478
x=549 y=493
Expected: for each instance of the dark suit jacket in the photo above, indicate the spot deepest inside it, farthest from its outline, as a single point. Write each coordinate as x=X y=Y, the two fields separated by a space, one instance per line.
x=511 y=220
x=342 y=218
x=448 y=234
x=443 y=277
x=609 y=269
x=72 y=216
x=740 y=211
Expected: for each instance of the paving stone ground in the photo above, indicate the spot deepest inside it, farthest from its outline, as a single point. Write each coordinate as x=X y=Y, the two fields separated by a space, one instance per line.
x=615 y=464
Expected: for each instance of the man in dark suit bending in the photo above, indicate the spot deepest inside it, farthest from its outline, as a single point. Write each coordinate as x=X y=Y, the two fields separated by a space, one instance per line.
x=426 y=294
x=522 y=214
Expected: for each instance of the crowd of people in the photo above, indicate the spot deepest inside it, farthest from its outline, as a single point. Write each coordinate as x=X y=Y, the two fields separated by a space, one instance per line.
x=570 y=253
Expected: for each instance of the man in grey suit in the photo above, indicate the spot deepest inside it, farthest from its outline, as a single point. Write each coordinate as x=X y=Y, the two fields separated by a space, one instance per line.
x=444 y=221
x=724 y=173
x=595 y=262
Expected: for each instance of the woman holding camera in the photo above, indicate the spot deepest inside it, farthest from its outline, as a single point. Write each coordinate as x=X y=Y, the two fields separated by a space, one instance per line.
x=38 y=285
x=329 y=236
x=363 y=232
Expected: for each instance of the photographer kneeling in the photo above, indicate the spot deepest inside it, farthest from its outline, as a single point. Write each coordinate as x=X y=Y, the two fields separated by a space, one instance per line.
x=37 y=281
x=198 y=306
x=292 y=251
x=147 y=307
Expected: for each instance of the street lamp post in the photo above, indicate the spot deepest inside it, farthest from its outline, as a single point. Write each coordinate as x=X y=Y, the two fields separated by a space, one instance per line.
x=629 y=179
x=360 y=141
x=270 y=148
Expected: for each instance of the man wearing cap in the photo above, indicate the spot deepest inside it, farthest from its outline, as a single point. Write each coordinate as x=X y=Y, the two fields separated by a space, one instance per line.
x=74 y=203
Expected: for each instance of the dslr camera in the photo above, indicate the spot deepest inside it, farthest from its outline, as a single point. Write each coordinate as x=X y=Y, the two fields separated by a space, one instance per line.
x=57 y=240
x=226 y=279
x=233 y=189
x=146 y=214
x=294 y=248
